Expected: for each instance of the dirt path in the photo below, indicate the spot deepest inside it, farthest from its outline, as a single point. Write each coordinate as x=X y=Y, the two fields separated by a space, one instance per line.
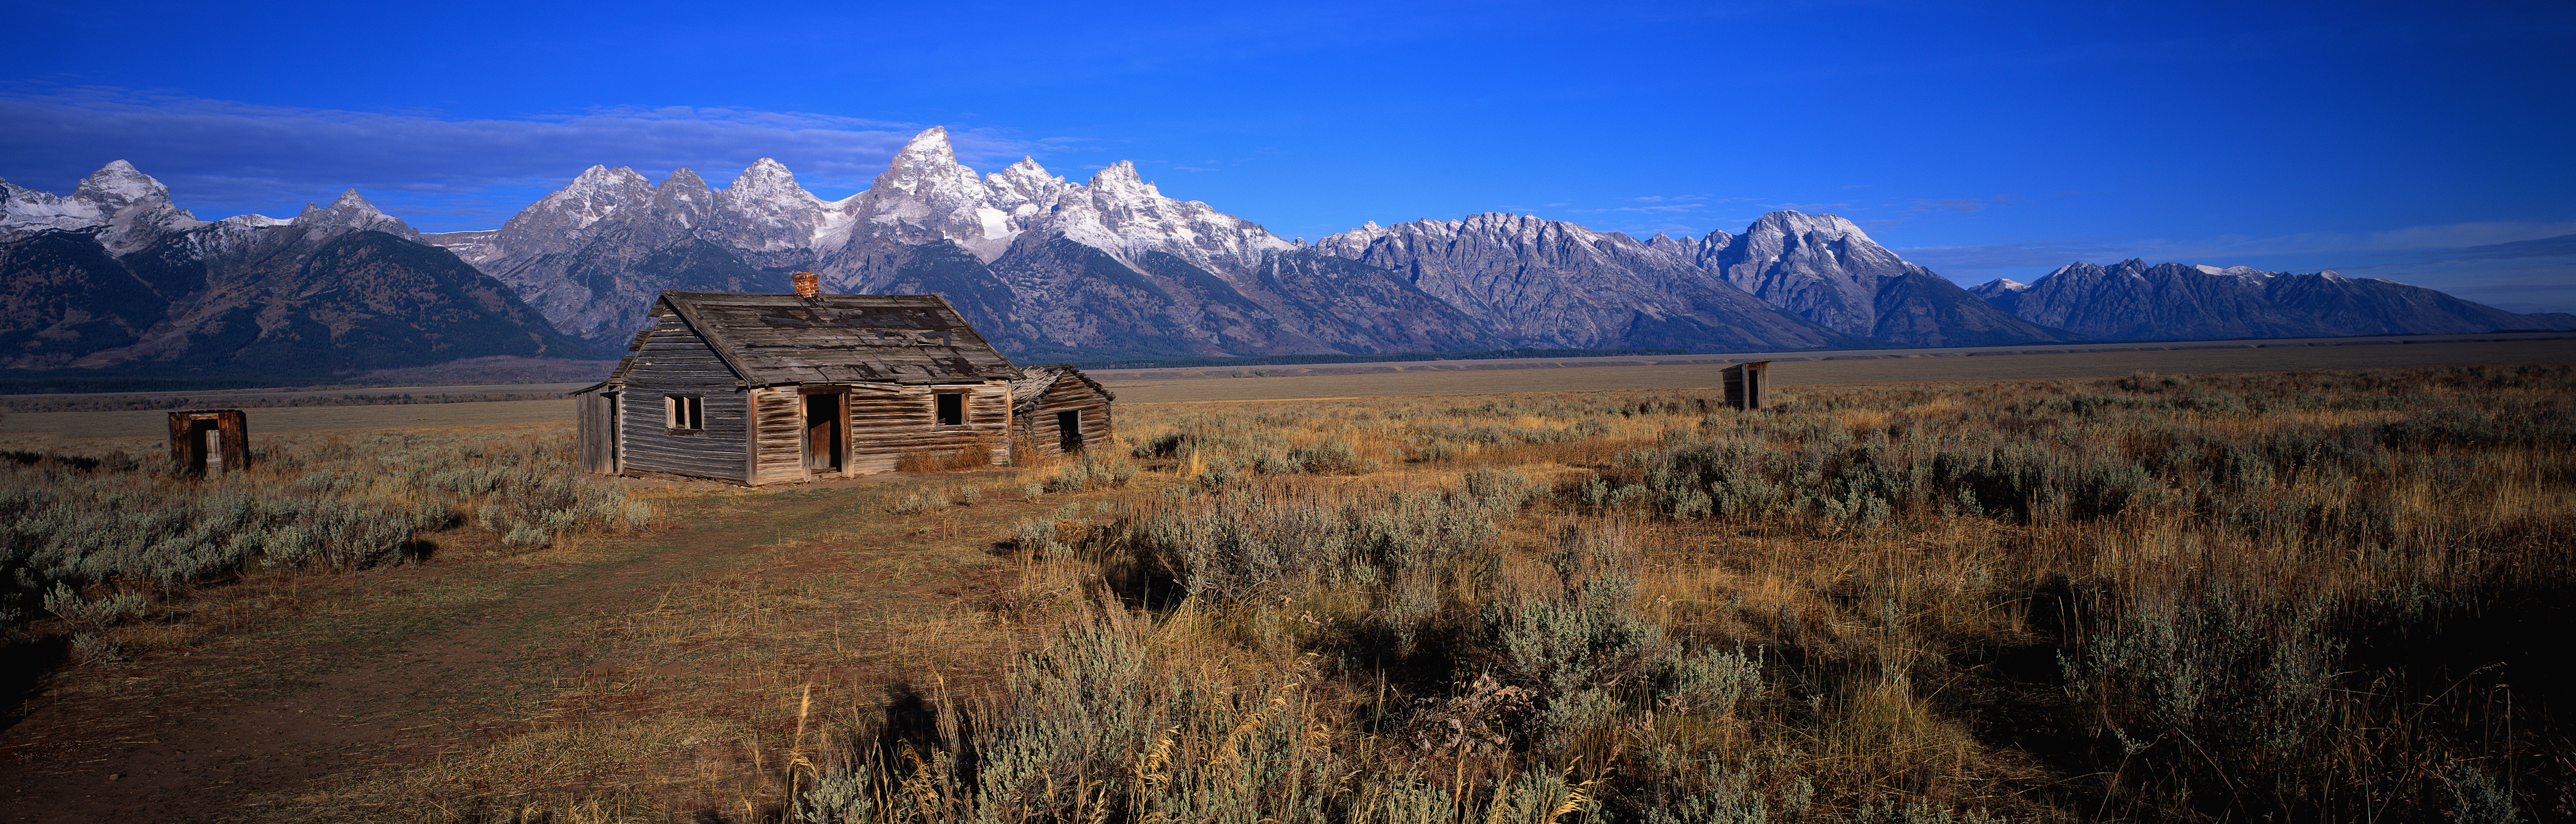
x=386 y=669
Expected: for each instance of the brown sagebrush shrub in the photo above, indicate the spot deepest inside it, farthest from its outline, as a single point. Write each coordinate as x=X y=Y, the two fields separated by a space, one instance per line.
x=2289 y=596
x=942 y=460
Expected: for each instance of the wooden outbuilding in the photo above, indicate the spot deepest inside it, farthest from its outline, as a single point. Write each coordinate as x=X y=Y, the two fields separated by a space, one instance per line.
x=210 y=441
x=762 y=389
x=1748 y=384
x=1060 y=410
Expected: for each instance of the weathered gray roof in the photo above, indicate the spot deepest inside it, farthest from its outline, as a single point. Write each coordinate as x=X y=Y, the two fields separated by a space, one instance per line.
x=1035 y=380
x=783 y=339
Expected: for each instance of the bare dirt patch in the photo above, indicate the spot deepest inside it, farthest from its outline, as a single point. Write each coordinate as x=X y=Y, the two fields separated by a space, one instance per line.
x=419 y=682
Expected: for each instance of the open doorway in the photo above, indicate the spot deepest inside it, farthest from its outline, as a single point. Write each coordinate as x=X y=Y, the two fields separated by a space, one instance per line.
x=206 y=447
x=823 y=433
x=1068 y=430
x=210 y=441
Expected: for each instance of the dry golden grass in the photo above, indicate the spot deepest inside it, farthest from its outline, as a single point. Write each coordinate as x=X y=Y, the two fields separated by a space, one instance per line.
x=947 y=460
x=1910 y=658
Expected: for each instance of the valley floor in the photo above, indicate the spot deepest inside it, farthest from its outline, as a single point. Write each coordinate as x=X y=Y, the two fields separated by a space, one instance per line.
x=2035 y=586
x=1412 y=378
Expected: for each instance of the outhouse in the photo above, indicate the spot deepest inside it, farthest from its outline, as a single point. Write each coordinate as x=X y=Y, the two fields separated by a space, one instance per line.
x=1748 y=384
x=210 y=441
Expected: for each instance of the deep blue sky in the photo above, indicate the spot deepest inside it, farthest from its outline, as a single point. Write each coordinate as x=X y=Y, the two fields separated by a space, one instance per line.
x=2387 y=140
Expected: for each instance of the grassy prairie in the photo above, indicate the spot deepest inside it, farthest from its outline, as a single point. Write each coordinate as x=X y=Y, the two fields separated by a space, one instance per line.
x=516 y=415
x=2315 y=595
x=1864 y=367
x=1845 y=368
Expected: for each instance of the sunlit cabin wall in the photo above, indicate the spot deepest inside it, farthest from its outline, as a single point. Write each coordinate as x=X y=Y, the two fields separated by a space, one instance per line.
x=779 y=440
x=595 y=430
x=887 y=423
x=674 y=360
x=1038 y=421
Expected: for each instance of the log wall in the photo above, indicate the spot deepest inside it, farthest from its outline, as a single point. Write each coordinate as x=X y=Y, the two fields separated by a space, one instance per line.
x=676 y=361
x=888 y=423
x=1067 y=394
x=779 y=442
x=595 y=431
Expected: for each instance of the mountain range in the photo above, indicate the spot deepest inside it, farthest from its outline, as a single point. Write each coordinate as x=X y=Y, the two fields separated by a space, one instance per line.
x=113 y=277
x=2131 y=300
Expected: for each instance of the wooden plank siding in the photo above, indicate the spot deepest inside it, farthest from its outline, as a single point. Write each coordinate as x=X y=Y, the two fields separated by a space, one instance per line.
x=595 y=431
x=887 y=423
x=675 y=360
x=753 y=360
x=1067 y=394
x=778 y=450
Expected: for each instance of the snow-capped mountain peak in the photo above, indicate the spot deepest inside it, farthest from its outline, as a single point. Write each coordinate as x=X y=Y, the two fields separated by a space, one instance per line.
x=1352 y=243
x=930 y=144
x=766 y=211
x=927 y=167
x=594 y=195
x=27 y=211
x=118 y=184
x=1120 y=180
x=1026 y=182
x=130 y=207
x=766 y=179
x=1026 y=192
x=1787 y=222
x=2232 y=271
x=1119 y=212
x=351 y=212
x=926 y=195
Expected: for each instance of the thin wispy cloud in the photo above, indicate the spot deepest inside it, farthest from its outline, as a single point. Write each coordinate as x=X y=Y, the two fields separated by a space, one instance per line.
x=2515 y=265
x=2557 y=246
x=1979 y=259
x=225 y=157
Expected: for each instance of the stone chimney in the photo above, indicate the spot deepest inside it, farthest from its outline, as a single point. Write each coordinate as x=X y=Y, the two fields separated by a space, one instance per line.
x=807 y=286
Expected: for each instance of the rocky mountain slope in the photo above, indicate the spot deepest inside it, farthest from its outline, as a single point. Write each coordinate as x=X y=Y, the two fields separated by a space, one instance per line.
x=1546 y=283
x=1825 y=269
x=1537 y=278
x=113 y=275
x=2131 y=300
x=1047 y=266
x=115 y=278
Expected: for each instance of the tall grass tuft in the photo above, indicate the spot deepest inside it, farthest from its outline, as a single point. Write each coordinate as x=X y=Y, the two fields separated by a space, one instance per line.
x=106 y=527
x=2284 y=597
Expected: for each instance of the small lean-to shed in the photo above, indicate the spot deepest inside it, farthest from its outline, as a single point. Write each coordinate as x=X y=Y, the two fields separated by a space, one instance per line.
x=210 y=441
x=1748 y=384
x=762 y=389
x=1060 y=410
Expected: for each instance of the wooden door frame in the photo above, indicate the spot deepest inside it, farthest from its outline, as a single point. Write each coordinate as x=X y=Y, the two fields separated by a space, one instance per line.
x=1075 y=437
x=840 y=425
x=616 y=401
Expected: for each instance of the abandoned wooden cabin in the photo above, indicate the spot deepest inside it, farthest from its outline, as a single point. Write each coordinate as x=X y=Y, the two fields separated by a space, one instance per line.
x=763 y=389
x=1059 y=409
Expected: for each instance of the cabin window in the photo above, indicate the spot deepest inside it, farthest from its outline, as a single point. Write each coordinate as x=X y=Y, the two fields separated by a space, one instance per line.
x=952 y=408
x=684 y=412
